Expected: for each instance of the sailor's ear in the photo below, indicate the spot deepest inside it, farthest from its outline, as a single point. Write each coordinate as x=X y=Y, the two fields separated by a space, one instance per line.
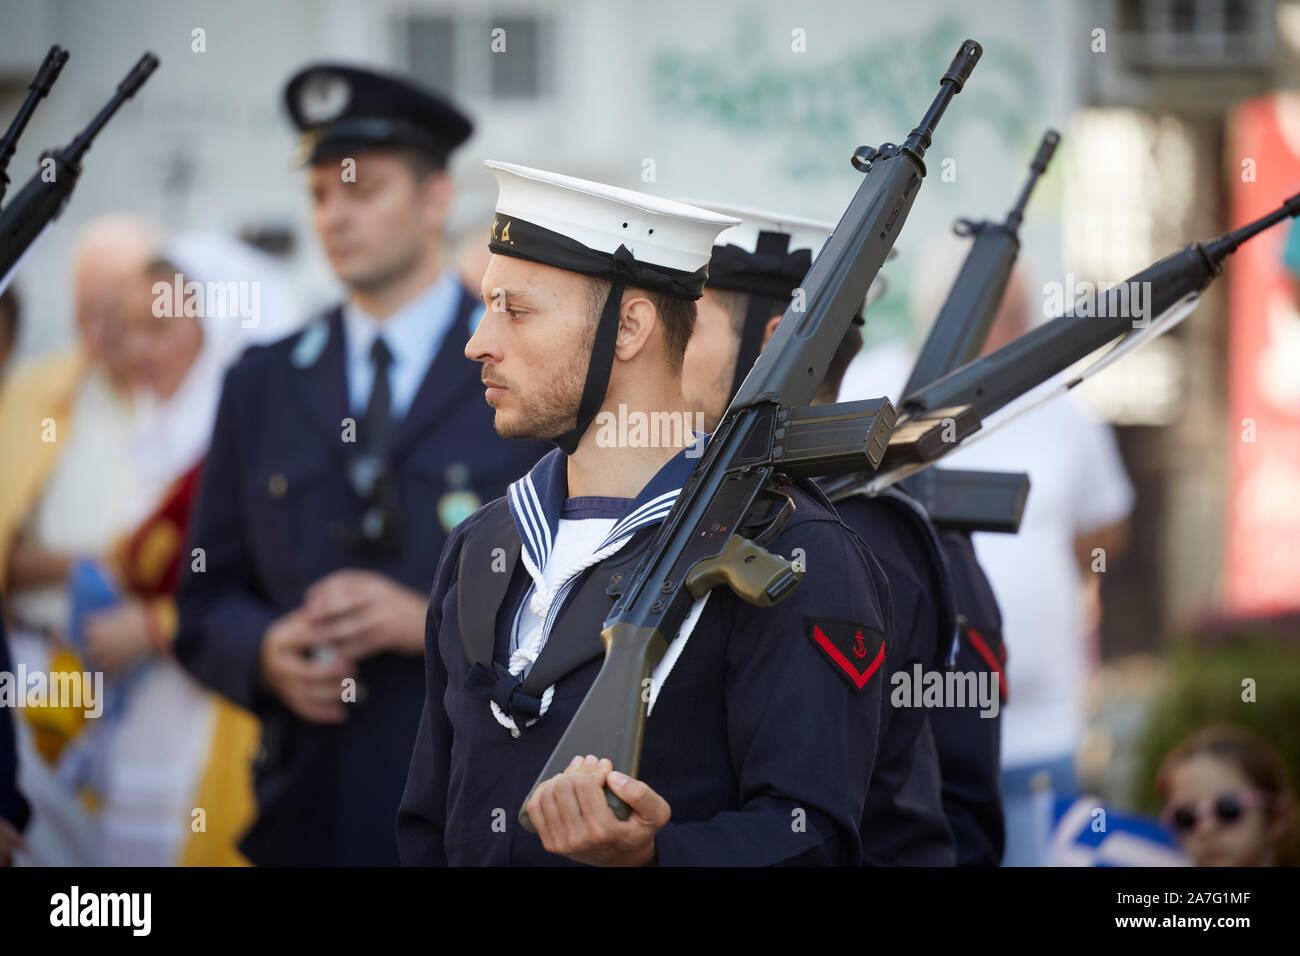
x=636 y=320
x=768 y=332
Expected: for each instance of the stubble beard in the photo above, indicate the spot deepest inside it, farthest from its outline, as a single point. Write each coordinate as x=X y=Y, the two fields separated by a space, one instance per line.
x=553 y=409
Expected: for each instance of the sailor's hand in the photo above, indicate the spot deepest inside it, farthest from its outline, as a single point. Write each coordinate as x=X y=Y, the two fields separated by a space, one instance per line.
x=572 y=818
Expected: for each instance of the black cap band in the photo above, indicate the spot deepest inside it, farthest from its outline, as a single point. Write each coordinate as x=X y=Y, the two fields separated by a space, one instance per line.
x=525 y=240
x=770 y=274
x=770 y=270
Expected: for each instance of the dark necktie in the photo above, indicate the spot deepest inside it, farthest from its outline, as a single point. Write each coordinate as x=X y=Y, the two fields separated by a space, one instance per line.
x=379 y=412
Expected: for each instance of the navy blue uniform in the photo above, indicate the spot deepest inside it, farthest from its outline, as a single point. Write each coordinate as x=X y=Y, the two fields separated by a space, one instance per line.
x=274 y=514
x=12 y=805
x=760 y=740
x=969 y=745
x=905 y=823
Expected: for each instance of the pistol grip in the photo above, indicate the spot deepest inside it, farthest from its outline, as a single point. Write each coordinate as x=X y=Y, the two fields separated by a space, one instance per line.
x=750 y=570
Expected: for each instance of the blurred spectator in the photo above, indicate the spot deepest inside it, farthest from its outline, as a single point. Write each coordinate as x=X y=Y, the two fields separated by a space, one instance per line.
x=10 y=314
x=64 y=423
x=1228 y=800
x=63 y=413
x=471 y=254
x=173 y=746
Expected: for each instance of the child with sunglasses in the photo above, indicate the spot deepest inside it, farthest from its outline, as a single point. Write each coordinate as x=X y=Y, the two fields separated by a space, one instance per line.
x=1228 y=800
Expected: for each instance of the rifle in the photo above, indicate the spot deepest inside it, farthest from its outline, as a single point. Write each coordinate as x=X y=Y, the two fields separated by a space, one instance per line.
x=969 y=500
x=767 y=430
x=37 y=90
x=966 y=500
x=50 y=187
x=1168 y=289
x=963 y=324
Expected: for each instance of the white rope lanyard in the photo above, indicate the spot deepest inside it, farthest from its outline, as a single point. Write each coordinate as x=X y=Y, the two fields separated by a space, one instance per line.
x=545 y=604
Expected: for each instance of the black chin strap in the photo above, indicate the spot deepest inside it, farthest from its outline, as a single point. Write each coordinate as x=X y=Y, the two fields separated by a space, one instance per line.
x=759 y=310
x=771 y=255
x=598 y=370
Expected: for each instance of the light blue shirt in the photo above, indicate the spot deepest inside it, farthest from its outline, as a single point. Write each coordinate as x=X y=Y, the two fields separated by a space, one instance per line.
x=413 y=335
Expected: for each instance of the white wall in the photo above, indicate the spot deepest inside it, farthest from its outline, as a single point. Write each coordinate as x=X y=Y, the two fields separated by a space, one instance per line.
x=712 y=93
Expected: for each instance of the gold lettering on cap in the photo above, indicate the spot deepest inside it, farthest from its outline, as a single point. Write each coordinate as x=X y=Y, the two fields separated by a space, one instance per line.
x=505 y=233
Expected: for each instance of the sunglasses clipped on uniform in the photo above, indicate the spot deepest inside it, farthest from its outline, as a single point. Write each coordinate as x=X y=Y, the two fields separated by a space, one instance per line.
x=1227 y=808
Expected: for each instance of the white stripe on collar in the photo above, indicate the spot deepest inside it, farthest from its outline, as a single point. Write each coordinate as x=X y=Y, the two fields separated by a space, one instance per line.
x=545 y=526
x=534 y=552
x=653 y=510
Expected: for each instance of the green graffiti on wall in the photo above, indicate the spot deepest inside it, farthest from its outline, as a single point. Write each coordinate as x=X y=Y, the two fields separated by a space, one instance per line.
x=876 y=92
x=809 y=113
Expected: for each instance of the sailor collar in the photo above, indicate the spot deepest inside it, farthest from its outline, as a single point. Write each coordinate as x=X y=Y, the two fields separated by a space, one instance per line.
x=537 y=499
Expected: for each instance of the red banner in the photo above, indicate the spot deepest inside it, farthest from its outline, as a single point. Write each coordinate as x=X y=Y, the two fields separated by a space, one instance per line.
x=1262 y=559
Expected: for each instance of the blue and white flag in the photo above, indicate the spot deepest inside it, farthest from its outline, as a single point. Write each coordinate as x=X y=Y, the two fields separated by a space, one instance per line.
x=1086 y=832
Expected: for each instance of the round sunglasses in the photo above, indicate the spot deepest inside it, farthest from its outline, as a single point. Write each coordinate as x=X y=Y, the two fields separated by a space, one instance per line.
x=1227 y=808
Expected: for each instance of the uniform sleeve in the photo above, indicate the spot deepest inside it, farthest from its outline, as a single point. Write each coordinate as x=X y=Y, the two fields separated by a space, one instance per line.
x=968 y=741
x=802 y=736
x=422 y=814
x=1104 y=493
x=222 y=616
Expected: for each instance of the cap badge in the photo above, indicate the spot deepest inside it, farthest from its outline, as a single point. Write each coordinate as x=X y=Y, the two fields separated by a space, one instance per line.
x=505 y=233
x=323 y=97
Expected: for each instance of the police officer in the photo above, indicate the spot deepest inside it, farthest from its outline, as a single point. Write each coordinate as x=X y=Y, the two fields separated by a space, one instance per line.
x=753 y=274
x=762 y=726
x=341 y=458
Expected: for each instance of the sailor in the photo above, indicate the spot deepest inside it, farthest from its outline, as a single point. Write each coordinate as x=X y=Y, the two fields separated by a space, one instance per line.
x=755 y=272
x=762 y=728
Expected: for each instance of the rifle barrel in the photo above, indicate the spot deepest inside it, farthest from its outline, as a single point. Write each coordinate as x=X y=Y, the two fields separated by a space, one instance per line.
x=950 y=84
x=125 y=90
x=37 y=90
x=1046 y=147
x=1226 y=244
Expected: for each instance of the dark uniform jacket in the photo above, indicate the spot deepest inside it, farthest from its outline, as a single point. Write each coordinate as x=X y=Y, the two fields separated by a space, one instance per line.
x=274 y=515
x=762 y=736
x=969 y=744
x=905 y=823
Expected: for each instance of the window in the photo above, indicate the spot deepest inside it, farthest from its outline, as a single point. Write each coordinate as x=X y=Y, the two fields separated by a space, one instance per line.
x=499 y=57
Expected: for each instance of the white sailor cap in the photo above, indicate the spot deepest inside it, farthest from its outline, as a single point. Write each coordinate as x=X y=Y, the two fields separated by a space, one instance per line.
x=619 y=235
x=770 y=253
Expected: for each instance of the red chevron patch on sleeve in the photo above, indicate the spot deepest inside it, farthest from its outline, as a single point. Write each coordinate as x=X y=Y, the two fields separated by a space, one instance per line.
x=856 y=651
